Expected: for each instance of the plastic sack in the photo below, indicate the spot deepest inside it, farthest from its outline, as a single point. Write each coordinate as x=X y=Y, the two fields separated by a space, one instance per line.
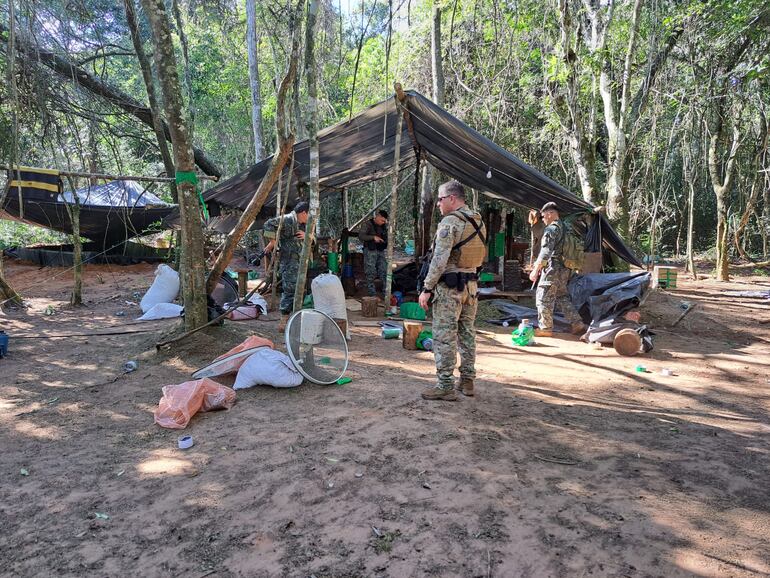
x=182 y=401
x=329 y=297
x=252 y=309
x=267 y=367
x=162 y=311
x=248 y=343
x=164 y=289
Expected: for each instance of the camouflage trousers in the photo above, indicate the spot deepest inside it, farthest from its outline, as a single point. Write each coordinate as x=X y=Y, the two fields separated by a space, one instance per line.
x=454 y=314
x=375 y=266
x=289 y=270
x=551 y=293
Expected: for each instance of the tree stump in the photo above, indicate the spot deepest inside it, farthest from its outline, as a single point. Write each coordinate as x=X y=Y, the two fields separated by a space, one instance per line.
x=369 y=306
x=627 y=342
x=412 y=330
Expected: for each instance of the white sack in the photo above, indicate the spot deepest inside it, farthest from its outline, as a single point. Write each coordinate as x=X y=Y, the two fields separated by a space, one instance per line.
x=164 y=289
x=329 y=297
x=267 y=367
x=162 y=311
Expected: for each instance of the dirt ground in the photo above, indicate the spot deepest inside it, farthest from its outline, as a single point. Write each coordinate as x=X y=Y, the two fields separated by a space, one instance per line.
x=567 y=463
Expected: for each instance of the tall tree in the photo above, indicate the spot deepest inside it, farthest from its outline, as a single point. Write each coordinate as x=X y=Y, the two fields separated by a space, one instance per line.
x=192 y=262
x=252 y=43
x=281 y=156
x=312 y=129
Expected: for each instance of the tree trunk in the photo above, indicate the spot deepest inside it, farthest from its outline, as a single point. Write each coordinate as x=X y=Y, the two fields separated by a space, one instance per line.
x=437 y=66
x=114 y=96
x=393 y=204
x=618 y=121
x=285 y=144
x=312 y=129
x=254 y=84
x=568 y=106
x=149 y=85
x=430 y=175
x=192 y=263
x=722 y=186
x=751 y=202
x=73 y=210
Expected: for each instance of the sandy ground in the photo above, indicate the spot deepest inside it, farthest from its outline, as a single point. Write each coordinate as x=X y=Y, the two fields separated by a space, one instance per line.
x=567 y=463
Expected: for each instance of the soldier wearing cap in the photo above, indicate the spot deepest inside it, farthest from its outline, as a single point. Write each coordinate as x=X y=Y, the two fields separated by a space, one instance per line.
x=458 y=250
x=553 y=275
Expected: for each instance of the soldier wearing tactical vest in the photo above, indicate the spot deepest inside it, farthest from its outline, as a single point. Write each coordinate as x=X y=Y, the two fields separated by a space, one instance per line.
x=458 y=250
x=554 y=276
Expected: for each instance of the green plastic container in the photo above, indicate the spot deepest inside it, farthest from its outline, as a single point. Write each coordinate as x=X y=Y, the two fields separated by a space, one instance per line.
x=412 y=310
x=333 y=260
x=486 y=277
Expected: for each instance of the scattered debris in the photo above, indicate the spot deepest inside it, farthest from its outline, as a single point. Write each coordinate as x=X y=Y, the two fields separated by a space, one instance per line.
x=359 y=474
x=426 y=485
x=100 y=516
x=49 y=310
x=120 y=473
x=120 y=313
x=185 y=442
x=24 y=471
x=641 y=369
x=666 y=372
x=130 y=366
x=562 y=461
x=344 y=380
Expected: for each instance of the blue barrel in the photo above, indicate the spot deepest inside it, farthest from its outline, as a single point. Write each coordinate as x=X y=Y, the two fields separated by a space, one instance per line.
x=3 y=344
x=347 y=270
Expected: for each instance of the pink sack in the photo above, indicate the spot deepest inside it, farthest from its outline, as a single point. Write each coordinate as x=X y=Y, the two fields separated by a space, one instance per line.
x=248 y=343
x=182 y=401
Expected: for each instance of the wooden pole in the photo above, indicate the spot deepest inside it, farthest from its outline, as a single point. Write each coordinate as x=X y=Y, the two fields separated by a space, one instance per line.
x=107 y=177
x=394 y=199
x=501 y=259
x=73 y=211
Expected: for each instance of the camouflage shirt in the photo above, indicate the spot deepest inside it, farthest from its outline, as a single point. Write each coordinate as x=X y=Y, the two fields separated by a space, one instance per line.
x=551 y=246
x=448 y=234
x=290 y=246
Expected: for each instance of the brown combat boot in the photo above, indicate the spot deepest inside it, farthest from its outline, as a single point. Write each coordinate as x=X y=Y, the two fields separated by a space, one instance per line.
x=578 y=328
x=465 y=386
x=282 y=323
x=543 y=332
x=439 y=394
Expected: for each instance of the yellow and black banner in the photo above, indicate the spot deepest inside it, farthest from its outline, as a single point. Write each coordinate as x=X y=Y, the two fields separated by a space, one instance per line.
x=37 y=184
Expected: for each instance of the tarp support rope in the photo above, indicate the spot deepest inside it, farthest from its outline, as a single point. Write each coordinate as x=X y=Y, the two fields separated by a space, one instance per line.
x=192 y=178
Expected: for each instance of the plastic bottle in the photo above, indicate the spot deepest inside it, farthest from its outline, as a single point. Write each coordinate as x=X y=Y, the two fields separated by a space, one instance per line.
x=427 y=344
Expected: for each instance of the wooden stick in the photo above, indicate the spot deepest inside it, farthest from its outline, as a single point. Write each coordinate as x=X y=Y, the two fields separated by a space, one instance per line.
x=243 y=301
x=684 y=314
x=106 y=177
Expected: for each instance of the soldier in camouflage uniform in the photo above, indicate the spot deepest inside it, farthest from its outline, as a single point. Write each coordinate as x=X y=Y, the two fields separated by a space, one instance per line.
x=554 y=276
x=374 y=236
x=289 y=247
x=451 y=283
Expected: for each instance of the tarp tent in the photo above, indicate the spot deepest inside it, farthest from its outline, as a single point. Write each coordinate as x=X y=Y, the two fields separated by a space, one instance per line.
x=362 y=150
x=109 y=213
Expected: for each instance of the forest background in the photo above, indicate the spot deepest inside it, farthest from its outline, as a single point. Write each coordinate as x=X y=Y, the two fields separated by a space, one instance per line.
x=655 y=109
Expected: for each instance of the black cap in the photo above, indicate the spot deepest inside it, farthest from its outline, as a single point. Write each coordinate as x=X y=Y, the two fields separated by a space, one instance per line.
x=551 y=206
